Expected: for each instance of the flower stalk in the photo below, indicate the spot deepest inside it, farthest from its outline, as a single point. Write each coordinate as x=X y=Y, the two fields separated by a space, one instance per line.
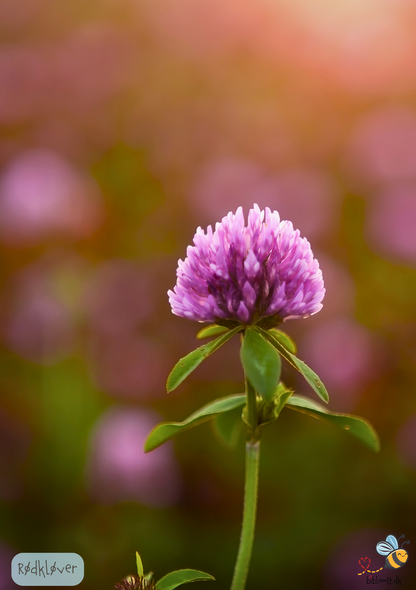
x=252 y=418
x=250 y=489
x=249 y=516
x=246 y=280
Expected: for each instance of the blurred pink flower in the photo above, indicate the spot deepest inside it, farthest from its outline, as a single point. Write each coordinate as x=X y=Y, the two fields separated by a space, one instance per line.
x=42 y=195
x=37 y=323
x=118 y=302
x=129 y=366
x=306 y=196
x=382 y=147
x=345 y=355
x=406 y=442
x=117 y=468
x=118 y=297
x=39 y=329
x=391 y=221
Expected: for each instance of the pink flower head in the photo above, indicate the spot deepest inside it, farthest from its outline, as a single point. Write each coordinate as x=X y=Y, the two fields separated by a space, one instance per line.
x=117 y=468
x=245 y=273
x=43 y=196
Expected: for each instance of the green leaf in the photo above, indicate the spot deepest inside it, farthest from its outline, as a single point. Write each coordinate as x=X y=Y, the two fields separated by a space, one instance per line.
x=284 y=339
x=310 y=376
x=175 y=579
x=166 y=430
x=190 y=362
x=358 y=427
x=139 y=565
x=228 y=426
x=212 y=330
x=284 y=394
x=261 y=363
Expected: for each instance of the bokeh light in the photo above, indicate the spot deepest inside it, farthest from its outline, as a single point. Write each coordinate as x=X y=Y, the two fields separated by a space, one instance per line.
x=383 y=145
x=390 y=223
x=41 y=196
x=112 y=297
x=305 y=196
x=347 y=357
x=119 y=470
x=39 y=324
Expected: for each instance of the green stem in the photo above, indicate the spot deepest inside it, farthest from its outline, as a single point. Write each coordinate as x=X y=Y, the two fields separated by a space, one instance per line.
x=251 y=411
x=249 y=516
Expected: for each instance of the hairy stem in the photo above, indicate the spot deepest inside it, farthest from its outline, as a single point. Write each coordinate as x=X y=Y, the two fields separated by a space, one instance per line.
x=249 y=516
x=251 y=411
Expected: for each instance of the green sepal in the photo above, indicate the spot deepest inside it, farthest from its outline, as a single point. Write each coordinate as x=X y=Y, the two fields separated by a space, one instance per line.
x=284 y=339
x=358 y=427
x=191 y=361
x=283 y=393
x=268 y=411
x=261 y=363
x=212 y=330
x=139 y=565
x=167 y=430
x=228 y=427
x=230 y=324
x=270 y=321
x=310 y=376
x=175 y=579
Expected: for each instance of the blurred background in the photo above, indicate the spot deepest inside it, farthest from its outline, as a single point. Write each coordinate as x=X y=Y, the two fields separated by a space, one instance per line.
x=125 y=125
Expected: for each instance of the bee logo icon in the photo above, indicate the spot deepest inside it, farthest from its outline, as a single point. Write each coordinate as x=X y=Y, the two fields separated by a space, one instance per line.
x=395 y=557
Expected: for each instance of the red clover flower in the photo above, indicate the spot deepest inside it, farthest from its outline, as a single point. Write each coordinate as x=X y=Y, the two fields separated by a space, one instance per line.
x=245 y=273
x=245 y=280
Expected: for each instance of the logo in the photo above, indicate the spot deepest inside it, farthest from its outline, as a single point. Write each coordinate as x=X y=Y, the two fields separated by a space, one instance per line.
x=395 y=557
x=47 y=569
